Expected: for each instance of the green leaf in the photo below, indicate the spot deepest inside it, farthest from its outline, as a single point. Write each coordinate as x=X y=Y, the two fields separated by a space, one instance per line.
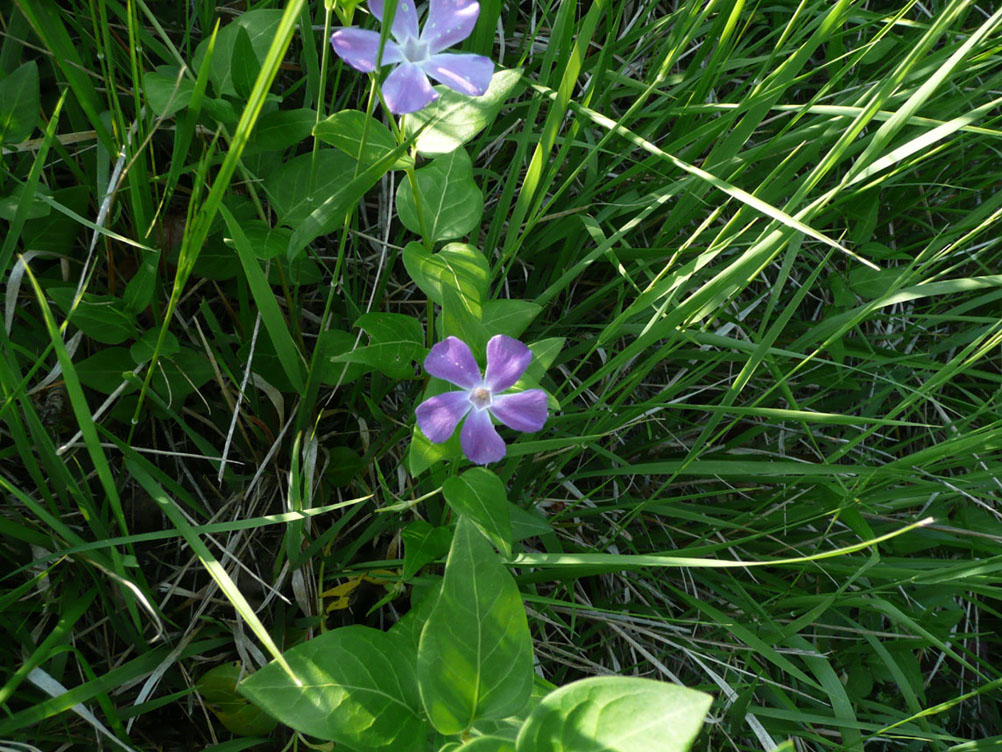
x=266 y=242
x=221 y=110
x=487 y=744
x=279 y=130
x=475 y=656
x=395 y=342
x=299 y=187
x=458 y=265
x=332 y=210
x=480 y=495
x=142 y=351
x=103 y=370
x=333 y=343
x=615 y=714
x=56 y=232
x=219 y=689
x=260 y=25
x=37 y=208
x=870 y=284
x=451 y=202
x=19 y=103
x=178 y=376
x=510 y=317
x=459 y=320
x=526 y=524
x=348 y=129
x=453 y=119
x=423 y=544
x=422 y=453
x=100 y=317
x=358 y=689
x=244 y=66
x=302 y=270
x=139 y=290
x=544 y=353
x=167 y=91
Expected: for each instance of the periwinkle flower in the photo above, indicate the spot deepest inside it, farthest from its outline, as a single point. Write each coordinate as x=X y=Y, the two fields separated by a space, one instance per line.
x=481 y=397
x=419 y=54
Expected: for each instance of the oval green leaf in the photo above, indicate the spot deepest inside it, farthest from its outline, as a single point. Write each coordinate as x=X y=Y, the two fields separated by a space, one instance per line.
x=453 y=119
x=475 y=655
x=451 y=202
x=458 y=265
x=358 y=689
x=480 y=495
x=615 y=714
x=361 y=137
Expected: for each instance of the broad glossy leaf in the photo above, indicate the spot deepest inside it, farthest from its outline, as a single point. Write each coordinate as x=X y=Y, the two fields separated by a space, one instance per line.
x=266 y=242
x=544 y=352
x=475 y=655
x=103 y=370
x=872 y=283
x=615 y=714
x=510 y=317
x=361 y=137
x=335 y=342
x=422 y=453
x=19 y=103
x=177 y=376
x=36 y=209
x=259 y=24
x=100 y=317
x=451 y=202
x=395 y=342
x=277 y=131
x=423 y=543
x=219 y=689
x=359 y=690
x=56 y=232
x=167 y=92
x=142 y=350
x=139 y=290
x=331 y=210
x=487 y=744
x=453 y=119
x=458 y=265
x=480 y=495
x=244 y=66
x=424 y=596
x=526 y=524
x=459 y=319
x=302 y=185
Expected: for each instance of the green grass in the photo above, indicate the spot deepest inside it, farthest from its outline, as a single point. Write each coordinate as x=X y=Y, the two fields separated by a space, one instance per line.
x=768 y=234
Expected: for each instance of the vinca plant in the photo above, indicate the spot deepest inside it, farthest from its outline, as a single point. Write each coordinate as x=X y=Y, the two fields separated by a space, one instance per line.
x=457 y=671
x=511 y=375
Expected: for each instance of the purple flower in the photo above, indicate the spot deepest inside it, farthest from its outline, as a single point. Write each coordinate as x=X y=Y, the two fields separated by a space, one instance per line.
x=419 y=54
x=480 y=397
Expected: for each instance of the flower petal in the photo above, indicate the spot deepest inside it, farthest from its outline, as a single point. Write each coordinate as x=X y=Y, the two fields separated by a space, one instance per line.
x=507 y=360
x=359 y=48
x=523 y=411
x=452 y=361
x=449 y=22
x=407 y=89
x=480 y=440
x=404 y=18
x=437 y=417
x=465 y=73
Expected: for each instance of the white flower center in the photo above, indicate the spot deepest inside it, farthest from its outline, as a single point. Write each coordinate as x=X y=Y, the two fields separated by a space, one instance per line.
x=414 y=50
x=480 y=397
